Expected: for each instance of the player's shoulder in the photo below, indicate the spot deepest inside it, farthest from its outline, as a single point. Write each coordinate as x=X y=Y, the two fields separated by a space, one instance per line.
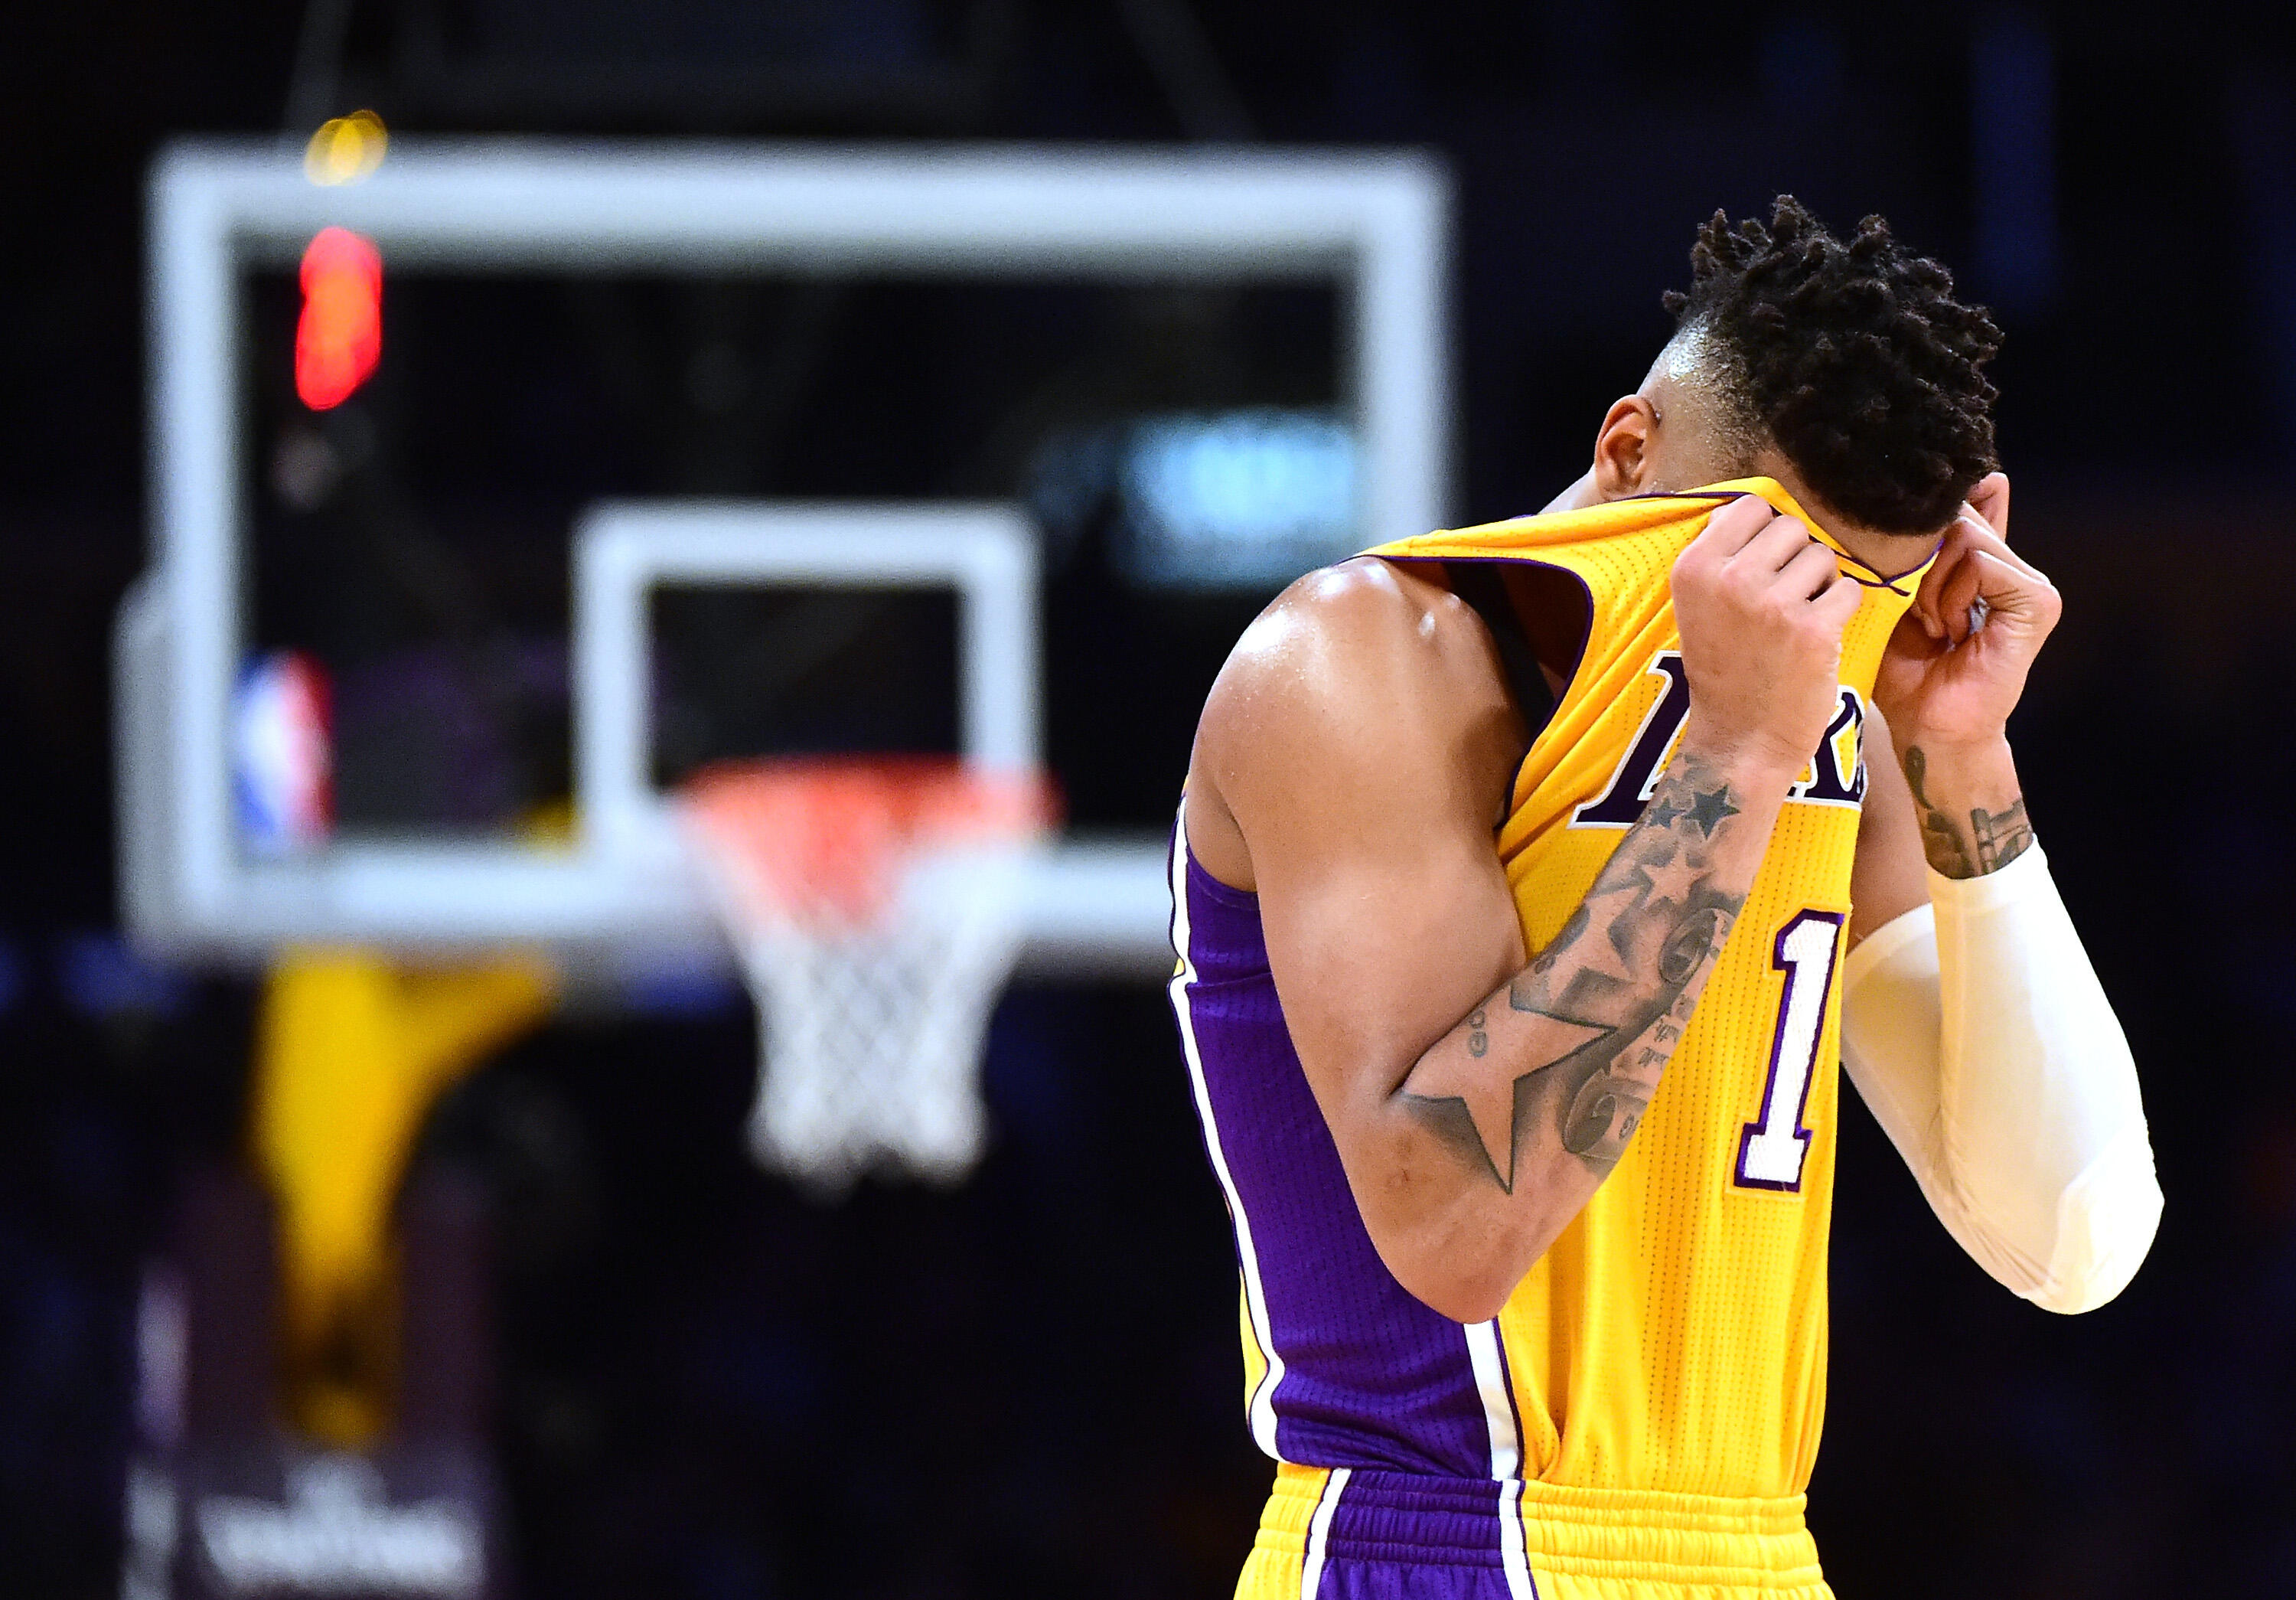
x=1357 y=643
x=1363 y=616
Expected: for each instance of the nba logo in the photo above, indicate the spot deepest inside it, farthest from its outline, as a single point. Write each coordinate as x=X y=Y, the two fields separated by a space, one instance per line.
x=282 y=759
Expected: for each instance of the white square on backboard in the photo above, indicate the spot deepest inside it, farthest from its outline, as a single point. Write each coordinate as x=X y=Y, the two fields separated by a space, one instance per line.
x=624 y=549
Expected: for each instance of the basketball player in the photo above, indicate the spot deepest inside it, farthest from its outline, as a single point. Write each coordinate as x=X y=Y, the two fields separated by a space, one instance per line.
x=1530 y=880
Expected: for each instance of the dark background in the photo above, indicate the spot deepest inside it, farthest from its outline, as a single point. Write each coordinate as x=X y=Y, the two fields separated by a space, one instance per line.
x=709 y=1387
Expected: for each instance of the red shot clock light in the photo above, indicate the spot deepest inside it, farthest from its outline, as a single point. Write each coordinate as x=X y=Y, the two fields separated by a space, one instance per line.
x=340 y=337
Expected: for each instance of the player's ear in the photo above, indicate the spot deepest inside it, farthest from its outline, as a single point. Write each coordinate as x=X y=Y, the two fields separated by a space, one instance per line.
x=1625 y=448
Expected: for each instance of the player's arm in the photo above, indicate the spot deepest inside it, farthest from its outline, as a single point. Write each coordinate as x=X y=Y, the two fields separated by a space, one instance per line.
x=1477 y=1102
x=1972 y=1022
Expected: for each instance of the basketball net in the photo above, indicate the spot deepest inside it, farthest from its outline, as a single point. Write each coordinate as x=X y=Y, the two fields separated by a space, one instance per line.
x=876 y=907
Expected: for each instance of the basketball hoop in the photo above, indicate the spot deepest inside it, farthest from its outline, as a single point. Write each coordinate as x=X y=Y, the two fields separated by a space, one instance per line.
x=876 y=907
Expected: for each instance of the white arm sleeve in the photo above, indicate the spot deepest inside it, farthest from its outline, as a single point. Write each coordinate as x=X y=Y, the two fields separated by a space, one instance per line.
x=1977 y=1032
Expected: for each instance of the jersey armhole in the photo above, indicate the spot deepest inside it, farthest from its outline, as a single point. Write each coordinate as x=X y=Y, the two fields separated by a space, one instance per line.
x=1495 y=590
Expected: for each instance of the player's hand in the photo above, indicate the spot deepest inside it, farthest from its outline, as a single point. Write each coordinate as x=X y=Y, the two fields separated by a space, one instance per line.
x=1761 y=606
x=1955 y=666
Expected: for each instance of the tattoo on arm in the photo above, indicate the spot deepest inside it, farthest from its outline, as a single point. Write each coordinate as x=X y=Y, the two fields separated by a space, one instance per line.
x=1991 y=842
x=2001 y=836
x=1603 y=1004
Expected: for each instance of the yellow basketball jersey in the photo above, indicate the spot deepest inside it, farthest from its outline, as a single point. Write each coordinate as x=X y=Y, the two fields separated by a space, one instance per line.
x=1674 y=1338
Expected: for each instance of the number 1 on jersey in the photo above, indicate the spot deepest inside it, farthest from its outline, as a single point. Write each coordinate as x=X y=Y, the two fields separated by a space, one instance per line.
x=1771 y=1151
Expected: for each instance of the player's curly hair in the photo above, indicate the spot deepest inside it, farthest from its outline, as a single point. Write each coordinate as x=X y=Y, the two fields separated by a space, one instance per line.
x=1853 y=356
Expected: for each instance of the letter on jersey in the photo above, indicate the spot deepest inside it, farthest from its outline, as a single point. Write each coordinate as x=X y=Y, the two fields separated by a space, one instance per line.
x=1621 y=804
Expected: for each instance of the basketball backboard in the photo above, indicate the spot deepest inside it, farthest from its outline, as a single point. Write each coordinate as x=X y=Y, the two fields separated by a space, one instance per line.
x=1372 y=224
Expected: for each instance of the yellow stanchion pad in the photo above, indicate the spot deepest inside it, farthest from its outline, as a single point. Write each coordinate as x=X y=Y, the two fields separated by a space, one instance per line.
x=351 y=1052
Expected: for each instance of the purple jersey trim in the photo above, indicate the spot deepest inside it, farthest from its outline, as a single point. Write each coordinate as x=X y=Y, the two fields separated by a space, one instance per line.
x=1371 y=1376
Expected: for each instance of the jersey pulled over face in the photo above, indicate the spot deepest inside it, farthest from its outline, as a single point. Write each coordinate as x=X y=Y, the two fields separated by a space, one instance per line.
x=1673 y=1338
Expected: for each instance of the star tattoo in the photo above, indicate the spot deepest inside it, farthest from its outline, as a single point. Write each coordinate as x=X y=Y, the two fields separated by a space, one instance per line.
x=1487 y=1099
x=1673 y=879
x=1708 y=806
x=1603 y=955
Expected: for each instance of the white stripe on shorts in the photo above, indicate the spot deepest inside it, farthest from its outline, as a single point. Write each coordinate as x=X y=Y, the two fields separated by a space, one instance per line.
x=1319 y=1532
x=1498 y=1407
x=1513 y=1561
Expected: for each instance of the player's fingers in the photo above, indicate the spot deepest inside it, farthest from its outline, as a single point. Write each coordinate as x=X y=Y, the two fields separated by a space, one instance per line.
x=1729 y=529
x=1929 y=599
x=1769 y=550
x=1976 y=533
x=1839 y=604
x=1958 y=578
x=1989 y=499
x=1809 y=570
x=1953 y=597
x=2010 y=590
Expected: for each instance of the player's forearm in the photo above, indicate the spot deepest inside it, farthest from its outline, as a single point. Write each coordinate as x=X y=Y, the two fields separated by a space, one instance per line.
x=1971 y=805
x=1976 y=1028
x=1529 y=1101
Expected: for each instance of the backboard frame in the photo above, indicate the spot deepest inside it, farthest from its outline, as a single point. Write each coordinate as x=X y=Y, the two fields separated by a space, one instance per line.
x=1377 y=221
x=624 y=550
